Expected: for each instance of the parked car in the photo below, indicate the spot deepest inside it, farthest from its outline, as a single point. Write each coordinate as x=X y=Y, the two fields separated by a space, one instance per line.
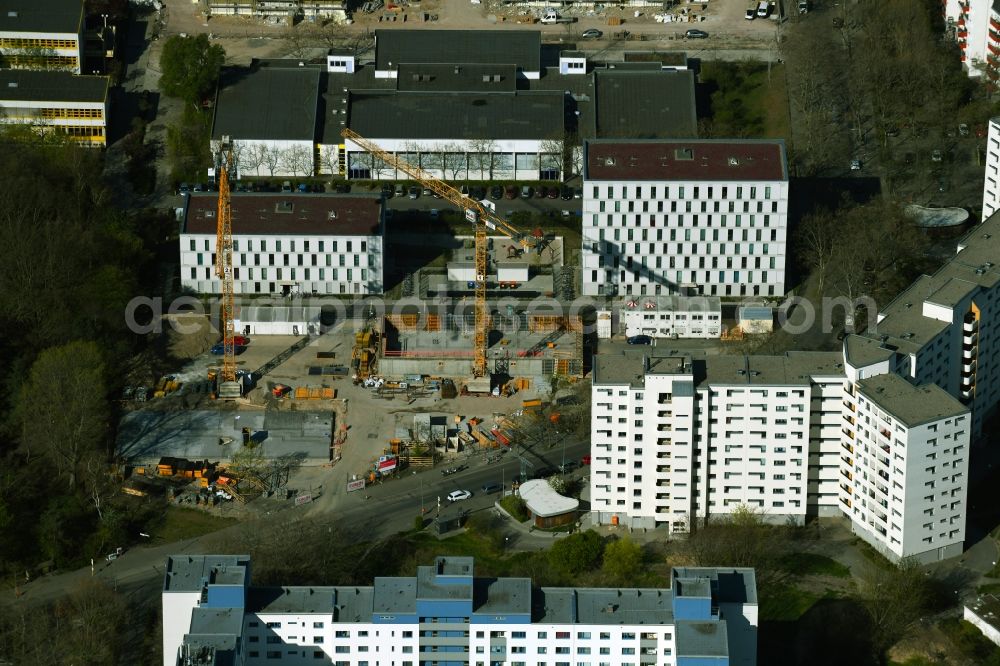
x=241 y=340
x=855 y=165
x=286 y=187
x=566 y=194
x=387 y=191
x=585 y=460
x=540 y=193
x=639 y=340
x=477 y=193
x=490 y=488
x=399 y=190
x=344 y=188
x=303 y=188
x=510 y=192
x=592 y=33
x=184 y=188
x=427 y=192
x=199 y=188
x=569 y=466
x=414 y=192
x=696 y=34
x=459 y=495
x=552 y=193
x=435 y=213
x=578 y=193
x=936 y=156
x=111 y=557
x=963 y=129
x=527 y=191
x=496 y=193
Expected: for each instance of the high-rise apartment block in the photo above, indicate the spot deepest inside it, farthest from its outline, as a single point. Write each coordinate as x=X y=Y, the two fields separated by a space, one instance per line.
x=684 y=216
x=445 y=616
x=880 y=432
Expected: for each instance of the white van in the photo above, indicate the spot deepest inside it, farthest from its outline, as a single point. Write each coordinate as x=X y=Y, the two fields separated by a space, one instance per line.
x=751 y=11
x=550 y=16
x=763 y=9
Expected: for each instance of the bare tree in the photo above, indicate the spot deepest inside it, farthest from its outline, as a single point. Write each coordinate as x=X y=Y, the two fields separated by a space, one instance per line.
x=271 y=156
x=817 y=240
x=553 y=154
x=455 y=162
x=482 y=159
x=250 y=159
x=894 y=597
x=299 y=160
x=329 y=157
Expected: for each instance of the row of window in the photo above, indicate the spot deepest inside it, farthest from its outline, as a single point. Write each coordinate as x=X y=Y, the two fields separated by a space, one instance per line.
x=647 y=236
x=660 y=220
x=680 y=191
x=278 y=274
x=276 y=245
x=641 y=267
x=679 y=277
x=343 y=260
x=24 y=43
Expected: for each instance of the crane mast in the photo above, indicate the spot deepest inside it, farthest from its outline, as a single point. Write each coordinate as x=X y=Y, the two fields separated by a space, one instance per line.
x=224 y=269
x=481 y=217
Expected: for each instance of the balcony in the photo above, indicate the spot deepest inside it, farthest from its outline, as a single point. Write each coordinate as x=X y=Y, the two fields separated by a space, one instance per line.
x=664 y=414
x=663 y=456
x=846 y=501
x=664 y=427
x=848 y=432
x=849 y=405
x=847 y=475
x=664 y=441
x=972 y=325
x=663 y=469
x=847 y=461
x=885 y=433
x=850 y=449
x=970 y=338
x=849 y=419
x=663 y=483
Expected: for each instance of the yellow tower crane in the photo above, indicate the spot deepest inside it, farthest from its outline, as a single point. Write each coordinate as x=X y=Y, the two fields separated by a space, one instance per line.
x=481 y=218
x=228 y=387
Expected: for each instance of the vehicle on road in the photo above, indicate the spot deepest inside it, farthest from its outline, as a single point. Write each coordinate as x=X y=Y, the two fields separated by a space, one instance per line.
x=241 y=340
x=490 y=488
x=763 y=9
x=566 y=194
x=592 y=33
x=399 y=190
x=696 y=34
x=452 y=470
x=569 y=466
x=510 y=192
x=496 y=193
x=552 y=193
x=286 y=187
x=963 y=130
x=544 y=473
x=936 y=156
x=111 y=557
x=459 y=495
x=639 y=340
x=751 y=11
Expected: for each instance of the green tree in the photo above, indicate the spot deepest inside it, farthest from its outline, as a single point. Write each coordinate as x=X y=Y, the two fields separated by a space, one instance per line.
x=622 y=560
x=576 y=553
x=77 y=426
x=895 y=598
x=190 y=67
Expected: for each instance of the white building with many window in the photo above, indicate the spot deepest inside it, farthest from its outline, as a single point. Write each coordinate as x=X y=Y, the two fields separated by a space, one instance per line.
x=287 y=244
x=446 y=616
x=975 y=26
x=880 y=433
x=991 y=183
x=675 y=216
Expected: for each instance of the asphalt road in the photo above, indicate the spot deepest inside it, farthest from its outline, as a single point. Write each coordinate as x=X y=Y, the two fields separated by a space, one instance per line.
x=390 y=508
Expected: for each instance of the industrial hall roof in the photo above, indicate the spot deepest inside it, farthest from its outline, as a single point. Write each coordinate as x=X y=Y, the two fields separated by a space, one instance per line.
x=645 y=103
x=686 y=160
x=298 y=214
x=49 y=16
x=272 y=102
x=22 y=85
x=404 y=115
x=483 y=47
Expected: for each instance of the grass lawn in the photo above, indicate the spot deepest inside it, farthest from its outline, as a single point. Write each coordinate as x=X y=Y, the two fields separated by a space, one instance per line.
x=989 y=588
x=785 y=603
x=179 y=523
x=812 y=564
x=514 y=505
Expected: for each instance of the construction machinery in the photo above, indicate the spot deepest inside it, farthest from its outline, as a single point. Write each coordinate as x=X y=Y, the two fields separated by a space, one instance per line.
x=228 y=387
x=481 y=218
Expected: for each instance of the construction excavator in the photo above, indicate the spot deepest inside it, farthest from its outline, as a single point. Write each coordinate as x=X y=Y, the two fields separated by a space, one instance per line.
x=482 y=219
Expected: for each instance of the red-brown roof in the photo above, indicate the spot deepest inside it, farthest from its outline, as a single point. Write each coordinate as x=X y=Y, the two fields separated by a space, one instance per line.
x=298 y=214
x=686 y=160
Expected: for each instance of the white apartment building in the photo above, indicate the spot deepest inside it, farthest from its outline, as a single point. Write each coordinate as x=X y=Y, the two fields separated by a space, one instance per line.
x=991 y=183
x=287 y=244
x=675 y=216
x=672 y=316
x=445 y=616
x=60 y=103
x=879 y=433
x=42 y=35
x=677 y=439
x=904 y=466
x=975 y=25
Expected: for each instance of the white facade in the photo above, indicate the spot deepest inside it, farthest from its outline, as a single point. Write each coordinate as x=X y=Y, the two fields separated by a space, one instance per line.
x=277 y=264
x=649 y=232
x=665 y=450
x=434 y=617
x=287 y=245
x=904 y=483
x=972 y=22
x=262 y=157
x=672 y=317
x=991 y=183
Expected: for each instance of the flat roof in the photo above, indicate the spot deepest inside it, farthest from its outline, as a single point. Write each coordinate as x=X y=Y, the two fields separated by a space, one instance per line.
x=543 y=501
x=628 y=366
x=426 y=115
x=987 y=606
x=277 y=102
x=729 y=584
x=49 y=16
x=24 y=85
x=710 y=304
x=189 y=573
x=462 y=47
x=910 y=405
x=862 y=351
x=685 y=160
x=646 y=104
x=427 y=77
x=701 y=639
x=793 y=368
x=495 y=596
x=287 y=214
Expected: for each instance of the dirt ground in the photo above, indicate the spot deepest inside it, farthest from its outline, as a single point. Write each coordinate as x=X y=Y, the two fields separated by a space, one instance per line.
x=724 y=20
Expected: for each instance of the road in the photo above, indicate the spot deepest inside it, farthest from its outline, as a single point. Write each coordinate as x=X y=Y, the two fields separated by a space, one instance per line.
x=390 y=508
